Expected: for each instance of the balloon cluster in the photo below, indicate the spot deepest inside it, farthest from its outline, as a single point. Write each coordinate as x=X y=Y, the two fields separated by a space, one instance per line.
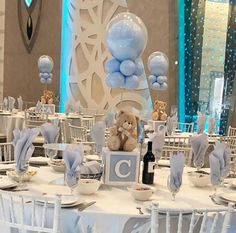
x=126 y=40
x=45 y=65
x=158 y=65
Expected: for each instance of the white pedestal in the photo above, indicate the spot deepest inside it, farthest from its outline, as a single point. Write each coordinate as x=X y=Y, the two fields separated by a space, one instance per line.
x=156 y=124
x=120 y=167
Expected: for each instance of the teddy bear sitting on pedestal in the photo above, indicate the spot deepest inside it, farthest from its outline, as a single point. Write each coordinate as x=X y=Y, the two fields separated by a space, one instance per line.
x=47 y=97
x=123 y=136
x=159 y=112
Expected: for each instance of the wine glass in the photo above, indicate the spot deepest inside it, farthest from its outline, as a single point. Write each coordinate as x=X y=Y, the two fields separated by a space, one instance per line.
x=173 y=190
x=71 y=184
x=20 y=176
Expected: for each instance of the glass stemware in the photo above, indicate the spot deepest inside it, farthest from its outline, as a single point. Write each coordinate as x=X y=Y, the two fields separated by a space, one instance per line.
x=171 y=189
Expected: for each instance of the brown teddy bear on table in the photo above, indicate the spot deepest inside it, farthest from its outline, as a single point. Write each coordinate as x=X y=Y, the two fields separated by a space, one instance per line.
x=159 y=112
x=47 y=97
x=123 y=136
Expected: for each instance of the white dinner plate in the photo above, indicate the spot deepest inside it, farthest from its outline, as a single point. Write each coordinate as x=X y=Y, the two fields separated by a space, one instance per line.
x=173 y=205
x=228 y=196
x=7 y=167
x=40 y=160
x=233 y=183
x=93 y=158
x=57 y=168
x=6 y=183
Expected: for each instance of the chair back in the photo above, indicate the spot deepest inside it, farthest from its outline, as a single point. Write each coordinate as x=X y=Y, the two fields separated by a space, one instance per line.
x=187 y=220
x=6 y=151
x=34 y=120
x=29 y=213
x=175 y=145
x=231 y=131
x=185 y=127
x=87 y=122
x=77 y=133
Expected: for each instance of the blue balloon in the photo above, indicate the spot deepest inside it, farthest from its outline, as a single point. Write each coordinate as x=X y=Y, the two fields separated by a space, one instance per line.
x=132 y=82
x=112 y=65
x=152 y=79
x=115 y=80
x=155 y=86
x=126 y=40
x=45 y=64
x=43 y=80
x=127 y=67
x=164 y=86
x=160 y=79
x=159 y=65
x=44 y=75
x=139 y=69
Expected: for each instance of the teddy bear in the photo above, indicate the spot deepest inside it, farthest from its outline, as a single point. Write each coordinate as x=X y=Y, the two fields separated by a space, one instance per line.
x=159 y=112
x=47 y=97
x=123 y=136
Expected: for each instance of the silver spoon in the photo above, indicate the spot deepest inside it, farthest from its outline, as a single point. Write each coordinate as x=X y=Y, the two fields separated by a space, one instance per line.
x=139 y=209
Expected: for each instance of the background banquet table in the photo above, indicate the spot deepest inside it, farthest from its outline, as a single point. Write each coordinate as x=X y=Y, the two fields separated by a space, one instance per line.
x=115 y=209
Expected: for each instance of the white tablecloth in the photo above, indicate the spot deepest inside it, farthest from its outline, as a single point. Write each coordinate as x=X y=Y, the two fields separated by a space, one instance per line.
x=115 y=209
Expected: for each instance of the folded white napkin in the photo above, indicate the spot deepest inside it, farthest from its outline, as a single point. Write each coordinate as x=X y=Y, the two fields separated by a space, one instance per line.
x=201 y=122
x=212 y=125
x=20 y=103
x=11 y=103
x=23 y=148
x=38 y=107
x=5 y=103
x=199 y=145
x=91 y=167
x=73 y=161
x=158 y=141
x=219 y=162
x=98 y=135
x=73 y=106
x=177 y=162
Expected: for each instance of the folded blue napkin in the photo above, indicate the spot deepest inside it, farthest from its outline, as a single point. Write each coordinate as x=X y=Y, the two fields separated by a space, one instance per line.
x=219 y=162
x=110 y=119
x=199 y=144
x=23 y=148
x=212 y=125
x=201 y=122
x=50 y=132
x=158 y=141
x=177 y=162
x=5 y=104
x=38 y=107
x=73 y=106
x=98 y=135
x=73 y=158
x=171 y=124
x=141 y=132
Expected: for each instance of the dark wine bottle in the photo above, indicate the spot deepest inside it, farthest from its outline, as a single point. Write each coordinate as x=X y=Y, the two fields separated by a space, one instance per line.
x=148 y=166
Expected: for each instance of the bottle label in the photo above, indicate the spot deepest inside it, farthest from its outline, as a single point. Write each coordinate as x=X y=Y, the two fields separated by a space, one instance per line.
x=151 y=167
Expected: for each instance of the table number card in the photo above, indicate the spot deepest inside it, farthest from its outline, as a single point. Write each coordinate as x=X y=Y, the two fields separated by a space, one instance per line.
x=121 y=167
x=48 y=108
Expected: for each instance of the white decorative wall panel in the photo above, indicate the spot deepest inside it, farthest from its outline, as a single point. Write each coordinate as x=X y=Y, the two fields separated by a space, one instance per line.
x=87 y=21
x=2 y=29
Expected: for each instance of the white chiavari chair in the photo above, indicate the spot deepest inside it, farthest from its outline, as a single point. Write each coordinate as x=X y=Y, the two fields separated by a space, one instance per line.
x=88 y=123
x=78 y=134
x=187 y=220
x=185 y=127
x=27 y=214
x=174 y=145
x=6 y=152
x=231 y=131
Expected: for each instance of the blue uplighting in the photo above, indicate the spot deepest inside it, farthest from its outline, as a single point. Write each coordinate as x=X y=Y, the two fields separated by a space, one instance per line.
x=65 y=55
x=28 y=2
x=181 y=61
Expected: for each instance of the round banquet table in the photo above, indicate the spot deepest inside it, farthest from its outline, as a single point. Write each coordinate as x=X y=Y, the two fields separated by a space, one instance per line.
x=115 y=209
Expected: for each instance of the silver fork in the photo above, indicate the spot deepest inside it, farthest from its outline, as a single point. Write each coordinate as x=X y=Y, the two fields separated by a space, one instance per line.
x=85 y=205
x=139 y=209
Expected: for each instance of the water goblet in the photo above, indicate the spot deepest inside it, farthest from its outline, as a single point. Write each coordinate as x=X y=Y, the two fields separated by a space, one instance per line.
x=173 y=190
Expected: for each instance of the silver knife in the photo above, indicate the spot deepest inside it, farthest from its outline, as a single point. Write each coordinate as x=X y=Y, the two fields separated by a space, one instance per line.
x=86 y=205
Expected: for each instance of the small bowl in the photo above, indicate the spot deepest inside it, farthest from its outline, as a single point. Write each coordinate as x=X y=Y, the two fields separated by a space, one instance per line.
x=199 y=178
x=88 y=186
x=140 y=192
